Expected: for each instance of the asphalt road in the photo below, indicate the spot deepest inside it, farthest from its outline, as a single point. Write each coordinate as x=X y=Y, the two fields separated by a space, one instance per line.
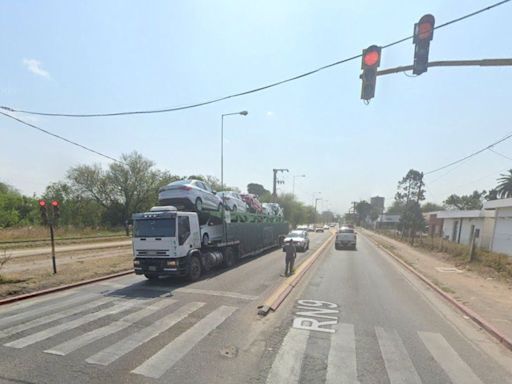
x=355 y=318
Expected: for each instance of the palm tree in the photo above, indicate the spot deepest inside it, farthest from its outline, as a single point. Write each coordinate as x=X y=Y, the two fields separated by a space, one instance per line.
x=504 y=187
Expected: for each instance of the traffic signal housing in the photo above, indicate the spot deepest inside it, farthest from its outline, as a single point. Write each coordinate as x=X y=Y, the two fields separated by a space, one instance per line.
x=43 y=211
x=423 y=34
x=369 y=64
x=56 y=211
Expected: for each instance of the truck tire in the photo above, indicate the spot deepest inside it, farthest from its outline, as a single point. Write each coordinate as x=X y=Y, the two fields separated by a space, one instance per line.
x=229 y=258
x=195 y=269
x=151 y=276
x=199 y=205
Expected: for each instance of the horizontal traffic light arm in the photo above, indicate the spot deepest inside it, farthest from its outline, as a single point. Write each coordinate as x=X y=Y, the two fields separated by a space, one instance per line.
x=452 y=63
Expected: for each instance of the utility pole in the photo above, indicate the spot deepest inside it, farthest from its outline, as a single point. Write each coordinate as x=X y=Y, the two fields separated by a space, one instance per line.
x=274 y=187
x=316 y=213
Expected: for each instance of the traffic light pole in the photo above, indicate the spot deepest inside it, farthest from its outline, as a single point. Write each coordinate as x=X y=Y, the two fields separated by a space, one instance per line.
x=451 y=63
x=52 y=239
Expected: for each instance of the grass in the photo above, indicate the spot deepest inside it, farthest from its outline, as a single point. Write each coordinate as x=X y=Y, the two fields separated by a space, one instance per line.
x=42 y=233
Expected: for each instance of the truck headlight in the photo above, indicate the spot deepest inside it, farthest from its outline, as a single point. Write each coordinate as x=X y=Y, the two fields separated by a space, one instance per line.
x=136 y=262
x=171 y=263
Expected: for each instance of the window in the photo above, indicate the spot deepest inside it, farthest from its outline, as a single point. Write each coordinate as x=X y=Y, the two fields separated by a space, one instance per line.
x=155 y=228
x=183 y=229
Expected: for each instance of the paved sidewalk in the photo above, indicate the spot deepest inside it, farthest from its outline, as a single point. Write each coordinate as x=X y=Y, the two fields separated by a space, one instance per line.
x=490 y=298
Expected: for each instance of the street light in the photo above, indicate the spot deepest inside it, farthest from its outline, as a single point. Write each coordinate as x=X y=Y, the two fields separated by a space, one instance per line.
x=243 y=113
x=294 y=177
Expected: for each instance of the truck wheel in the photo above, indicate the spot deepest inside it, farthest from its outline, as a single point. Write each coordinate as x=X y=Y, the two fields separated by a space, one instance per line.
x=195 y=268
x=206 y=239
x=151 y=276
x=229 y=258
x=199 y=205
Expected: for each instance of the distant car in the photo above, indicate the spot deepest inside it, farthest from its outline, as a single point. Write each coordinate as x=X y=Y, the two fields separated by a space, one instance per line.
x=232 y=201
x=326 y=227
x=311 y=228
x=345 y=238
x=319 y=229
x=299 y=238
x=190 y=194
x=302 y=228
x=252 y=202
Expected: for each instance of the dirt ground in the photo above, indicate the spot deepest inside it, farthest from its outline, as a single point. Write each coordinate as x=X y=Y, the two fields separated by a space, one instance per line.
x=479 y=288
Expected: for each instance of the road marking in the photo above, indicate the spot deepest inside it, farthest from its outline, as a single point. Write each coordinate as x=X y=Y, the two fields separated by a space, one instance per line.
x=97 y=334
x=288 y=362
x=396 y=359
x=234 y=295
x=44 y=309
x=9 y=308
x=341 y=365
x=56 y=316
x=316 y=308
x=50 y=332
x=169 y=355
x=456 y=369
x=122 y=347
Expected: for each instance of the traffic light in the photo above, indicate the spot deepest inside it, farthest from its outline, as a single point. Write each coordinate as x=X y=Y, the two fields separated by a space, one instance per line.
x=56 y=211
x=423 y=34
x=43 y=211
x=369 y=65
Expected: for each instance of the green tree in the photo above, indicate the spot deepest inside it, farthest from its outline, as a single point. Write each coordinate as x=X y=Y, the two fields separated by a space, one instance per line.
x=409 y=195
x=412 y=219
x=257 y=189
x=504 y=188
x=431 y=207
x=465 y=202
x=396 y=208
x=15 y=208
x=363 y=211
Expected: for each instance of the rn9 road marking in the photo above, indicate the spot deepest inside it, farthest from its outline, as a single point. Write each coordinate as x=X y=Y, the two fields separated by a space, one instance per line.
x=311 y=309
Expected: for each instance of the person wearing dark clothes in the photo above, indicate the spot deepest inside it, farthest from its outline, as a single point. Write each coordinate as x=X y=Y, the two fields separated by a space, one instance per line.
x=291 y=253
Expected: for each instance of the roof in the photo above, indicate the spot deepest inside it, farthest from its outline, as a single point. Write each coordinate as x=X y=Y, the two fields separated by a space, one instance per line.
x=456 y=214
x=500 y=203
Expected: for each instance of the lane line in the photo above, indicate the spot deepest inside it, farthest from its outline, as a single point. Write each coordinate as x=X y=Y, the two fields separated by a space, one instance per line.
x=169 y=355
x=341 y=365
x=50 y=332
x=396 y=359
x=288 y=362
x=122 y=347
x=456 y=369
x=56 y=316
x=116 y=326
x=234 y=295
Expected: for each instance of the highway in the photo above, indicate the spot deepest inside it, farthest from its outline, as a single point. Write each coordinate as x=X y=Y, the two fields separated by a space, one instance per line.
x=356 y=317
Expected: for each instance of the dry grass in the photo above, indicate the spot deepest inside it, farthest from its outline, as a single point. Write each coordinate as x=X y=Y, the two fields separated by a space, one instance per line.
x=40 y=232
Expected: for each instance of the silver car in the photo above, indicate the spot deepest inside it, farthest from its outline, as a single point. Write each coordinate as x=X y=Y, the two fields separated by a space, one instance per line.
x=232 y=201
x=190 y=194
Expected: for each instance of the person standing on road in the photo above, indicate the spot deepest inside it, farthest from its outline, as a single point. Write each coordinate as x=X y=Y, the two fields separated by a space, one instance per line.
x=291 y=253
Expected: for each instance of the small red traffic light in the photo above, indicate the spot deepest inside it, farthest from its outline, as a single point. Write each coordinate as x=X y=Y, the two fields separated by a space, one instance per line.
x=371 y=58
x=424 y=31
x=42 y=203
x=55 y=203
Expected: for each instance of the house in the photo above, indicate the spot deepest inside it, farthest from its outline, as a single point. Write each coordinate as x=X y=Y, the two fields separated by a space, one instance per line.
x=434 y=223
x=501 y=232
x=387 y=221
x=459 y=226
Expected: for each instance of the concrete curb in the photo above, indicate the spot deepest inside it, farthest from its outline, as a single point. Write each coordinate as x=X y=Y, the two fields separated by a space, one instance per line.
x=61 y=288
x=492 y=330
x=277 y=297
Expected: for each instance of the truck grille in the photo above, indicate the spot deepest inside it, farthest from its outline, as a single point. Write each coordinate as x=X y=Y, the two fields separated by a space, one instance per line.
x=153 y=253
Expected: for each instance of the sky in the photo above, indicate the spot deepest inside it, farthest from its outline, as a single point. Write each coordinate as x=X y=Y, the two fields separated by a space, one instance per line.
x=98 y=56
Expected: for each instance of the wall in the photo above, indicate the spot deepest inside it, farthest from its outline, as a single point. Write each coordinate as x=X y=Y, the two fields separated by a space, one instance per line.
x=502 y=239
x=465 y=231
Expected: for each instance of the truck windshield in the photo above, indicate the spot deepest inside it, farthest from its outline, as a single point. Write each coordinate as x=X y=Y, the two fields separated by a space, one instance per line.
x=155 y=228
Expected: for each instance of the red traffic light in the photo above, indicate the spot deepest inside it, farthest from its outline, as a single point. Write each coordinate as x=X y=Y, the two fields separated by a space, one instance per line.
x=371 y=58
x=42 y=203
x=55 y=203
x=425 y=28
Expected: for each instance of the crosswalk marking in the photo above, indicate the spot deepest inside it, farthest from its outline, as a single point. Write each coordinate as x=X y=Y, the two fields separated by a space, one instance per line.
x=55 y=330
x=42 y=309
x=341 y=365
x=55 y=316
x=97 y=334
x=114 y=352
x=9 y=308
x=164 y=359
x=234 y=295
x=396 y=359
x=287 y=364
x=456 y=369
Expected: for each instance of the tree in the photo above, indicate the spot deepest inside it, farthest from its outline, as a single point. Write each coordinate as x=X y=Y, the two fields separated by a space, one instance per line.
x=257 y=189
x=504 y=188
x=15 y=208
x=396 y=208
x=412 y=219
x=409 y=195
x=465 y=202
x=492 y=194
x=363 y=210
x=431 y=207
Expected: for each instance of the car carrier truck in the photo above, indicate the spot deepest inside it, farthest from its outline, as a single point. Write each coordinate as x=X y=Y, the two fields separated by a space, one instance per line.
x=168 y=242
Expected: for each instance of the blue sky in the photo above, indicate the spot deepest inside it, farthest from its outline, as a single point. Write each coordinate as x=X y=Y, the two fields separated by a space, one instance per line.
x=100 y=56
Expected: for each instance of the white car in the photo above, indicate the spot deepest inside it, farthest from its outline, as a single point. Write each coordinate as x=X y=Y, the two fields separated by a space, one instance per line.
x=299 y=238
x=212 y=231
x=232 y=201
x=268 y=209
x=190 y=194
x=278 y=211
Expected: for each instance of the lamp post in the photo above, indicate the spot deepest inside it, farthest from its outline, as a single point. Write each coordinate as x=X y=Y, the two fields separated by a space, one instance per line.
x=243 y=113
x=294 y=177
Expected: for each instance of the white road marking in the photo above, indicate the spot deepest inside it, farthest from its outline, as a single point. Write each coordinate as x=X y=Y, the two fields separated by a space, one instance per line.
x=456 y=369
x=164 y=359
x=97 y=334
x=50 y=332
x=341 y=366
x=396 y=359
x=234 y=295
x=56 y=316
x=42 y=309
x=9 y=308
x=288 y=362
x=122 y=347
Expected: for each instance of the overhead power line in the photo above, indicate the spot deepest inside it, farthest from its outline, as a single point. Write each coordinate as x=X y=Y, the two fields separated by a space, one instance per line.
x=61 y=138
x=500 y=154
x=259 y=89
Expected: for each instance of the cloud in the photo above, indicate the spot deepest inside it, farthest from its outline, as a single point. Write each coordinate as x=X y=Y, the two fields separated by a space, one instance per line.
x=270 y=114
x=35 y=67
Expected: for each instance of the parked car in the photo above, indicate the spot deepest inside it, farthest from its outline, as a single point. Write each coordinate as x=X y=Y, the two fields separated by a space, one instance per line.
x=345 y=238
x=232 y=201
x=252 y=202
x=326 y=227
x=319 y=229
x=311 y=228
x=190 y=194
x=299 y=238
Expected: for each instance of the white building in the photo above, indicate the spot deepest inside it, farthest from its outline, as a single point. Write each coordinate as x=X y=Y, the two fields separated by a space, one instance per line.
x=501 y=233
x=459 y=226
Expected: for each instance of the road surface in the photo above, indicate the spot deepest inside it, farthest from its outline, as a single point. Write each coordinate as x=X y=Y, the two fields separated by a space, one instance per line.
x=360 y=320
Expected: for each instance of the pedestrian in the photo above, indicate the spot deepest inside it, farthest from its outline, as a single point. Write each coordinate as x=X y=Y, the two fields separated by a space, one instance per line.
x=291 y=253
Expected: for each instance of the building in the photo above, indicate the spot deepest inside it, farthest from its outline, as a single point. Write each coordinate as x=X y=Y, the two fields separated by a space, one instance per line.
x=459 y=226
x=501 y=228
x=434 y=223
x=377 y=203
x=387 y=221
